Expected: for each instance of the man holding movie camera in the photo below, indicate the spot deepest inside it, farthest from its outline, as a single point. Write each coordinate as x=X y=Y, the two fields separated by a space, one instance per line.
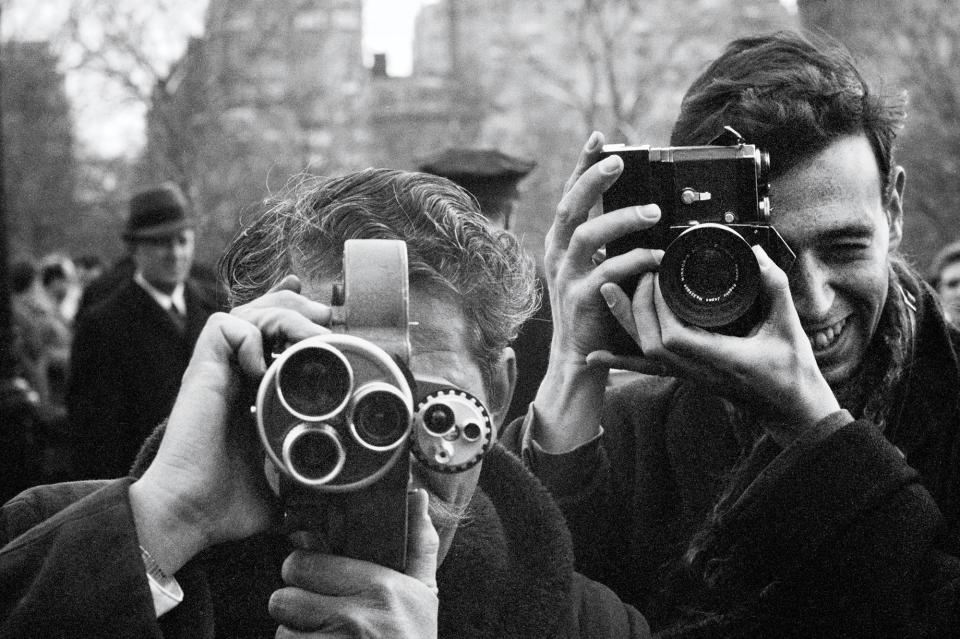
x=190 y=545
x=786 y=476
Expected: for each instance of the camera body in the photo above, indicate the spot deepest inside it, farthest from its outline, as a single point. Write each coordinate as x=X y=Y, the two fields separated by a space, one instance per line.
x=340 y=416
x=714 y=206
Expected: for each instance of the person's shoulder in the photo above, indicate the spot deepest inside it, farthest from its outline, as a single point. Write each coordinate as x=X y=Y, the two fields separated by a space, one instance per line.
x=112 y=304
x=39 y=503
x=595 y=607
x=210 y=295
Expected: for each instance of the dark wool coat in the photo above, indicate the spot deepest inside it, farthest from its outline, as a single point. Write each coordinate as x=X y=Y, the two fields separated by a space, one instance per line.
x=842 y=537
x=71 y=566
x=127 y=361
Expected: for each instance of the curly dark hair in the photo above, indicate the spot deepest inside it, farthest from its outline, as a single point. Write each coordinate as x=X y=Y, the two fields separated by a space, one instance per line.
x=450 y=247
x=792 y=95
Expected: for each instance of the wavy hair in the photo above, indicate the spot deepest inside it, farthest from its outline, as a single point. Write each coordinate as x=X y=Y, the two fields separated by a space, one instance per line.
x=792 y=95
x=450 y=247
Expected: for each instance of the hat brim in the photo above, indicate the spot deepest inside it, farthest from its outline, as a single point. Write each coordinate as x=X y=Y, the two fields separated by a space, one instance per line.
x=158 y=231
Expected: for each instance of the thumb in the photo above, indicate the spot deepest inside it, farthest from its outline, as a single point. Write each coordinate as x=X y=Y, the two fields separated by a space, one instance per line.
x=423 y=542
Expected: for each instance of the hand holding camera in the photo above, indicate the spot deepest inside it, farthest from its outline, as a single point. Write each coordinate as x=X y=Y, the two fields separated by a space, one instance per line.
x=766 y=357
x=773 y=369
x=205 y=485
x=714 y=206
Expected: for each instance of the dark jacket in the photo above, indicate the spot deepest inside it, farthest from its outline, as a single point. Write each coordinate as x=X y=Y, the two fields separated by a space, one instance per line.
x=127 y=360
x=840 y=537
x=70 y=566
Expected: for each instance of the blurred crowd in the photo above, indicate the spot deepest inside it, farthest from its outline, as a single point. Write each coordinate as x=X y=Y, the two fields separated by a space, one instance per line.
x=44 y=297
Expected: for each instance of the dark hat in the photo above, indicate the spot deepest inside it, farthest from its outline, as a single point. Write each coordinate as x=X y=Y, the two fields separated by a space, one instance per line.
x=157 y=212
x=483 y=172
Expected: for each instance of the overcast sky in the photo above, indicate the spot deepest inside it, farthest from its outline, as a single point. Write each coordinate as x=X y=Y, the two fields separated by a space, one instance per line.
x=109 y=125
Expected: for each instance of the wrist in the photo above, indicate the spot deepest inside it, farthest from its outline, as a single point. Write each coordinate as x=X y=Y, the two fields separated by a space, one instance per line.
x=568 y=405
x=810 y=409
x=167 y=530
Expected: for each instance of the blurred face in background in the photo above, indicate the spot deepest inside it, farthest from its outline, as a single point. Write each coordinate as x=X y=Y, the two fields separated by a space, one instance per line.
x=949 y=289
x=165 y=261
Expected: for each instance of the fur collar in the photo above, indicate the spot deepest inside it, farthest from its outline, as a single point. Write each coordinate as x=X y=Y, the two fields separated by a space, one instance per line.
x=509 y=571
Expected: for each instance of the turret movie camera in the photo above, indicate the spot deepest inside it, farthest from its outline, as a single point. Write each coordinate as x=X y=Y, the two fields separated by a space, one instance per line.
x=339 y=415
x=714 y=206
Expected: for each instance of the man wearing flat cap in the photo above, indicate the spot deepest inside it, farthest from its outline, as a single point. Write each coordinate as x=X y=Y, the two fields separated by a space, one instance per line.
x=131 y=349
x=492 y=176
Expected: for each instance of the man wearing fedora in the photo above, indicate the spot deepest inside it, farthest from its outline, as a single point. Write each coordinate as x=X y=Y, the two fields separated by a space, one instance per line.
x=131 y=348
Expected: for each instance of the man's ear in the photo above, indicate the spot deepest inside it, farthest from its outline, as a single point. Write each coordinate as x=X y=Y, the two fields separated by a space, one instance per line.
x=894 y=207
x=502 y=385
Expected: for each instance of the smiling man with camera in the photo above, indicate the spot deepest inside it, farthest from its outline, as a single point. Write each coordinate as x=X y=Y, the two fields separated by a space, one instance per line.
x=372 y=373
x=785 y=478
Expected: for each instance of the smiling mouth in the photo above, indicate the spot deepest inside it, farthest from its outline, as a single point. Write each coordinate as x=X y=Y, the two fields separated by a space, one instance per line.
x=824 y=338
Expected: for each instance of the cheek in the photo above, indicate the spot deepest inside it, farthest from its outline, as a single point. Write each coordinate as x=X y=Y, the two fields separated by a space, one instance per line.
x=866 y=289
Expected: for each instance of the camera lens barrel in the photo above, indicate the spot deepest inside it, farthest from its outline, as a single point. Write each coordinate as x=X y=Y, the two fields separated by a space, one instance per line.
x=379 y=417
x=709 y=276
x=313 y=453
x=333 y=413
x=313 y=381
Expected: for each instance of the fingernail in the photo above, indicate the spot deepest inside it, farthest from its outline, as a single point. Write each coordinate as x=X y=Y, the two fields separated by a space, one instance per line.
x=611 y=164
x=649 y=212
x=608 y=296
x=593 y=141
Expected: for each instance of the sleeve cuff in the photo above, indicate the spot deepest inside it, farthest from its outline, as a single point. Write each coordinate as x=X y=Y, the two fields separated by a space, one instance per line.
x=813 y=436
x=563 y=473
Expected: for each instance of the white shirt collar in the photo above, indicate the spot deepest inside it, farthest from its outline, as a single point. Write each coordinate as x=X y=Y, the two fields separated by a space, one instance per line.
x=175 y=299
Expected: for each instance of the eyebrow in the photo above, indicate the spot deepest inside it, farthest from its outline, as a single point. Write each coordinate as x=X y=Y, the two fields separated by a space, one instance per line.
x=853 y=231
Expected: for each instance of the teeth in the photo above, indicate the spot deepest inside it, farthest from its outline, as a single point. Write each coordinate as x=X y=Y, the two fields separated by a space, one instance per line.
x=822 y=339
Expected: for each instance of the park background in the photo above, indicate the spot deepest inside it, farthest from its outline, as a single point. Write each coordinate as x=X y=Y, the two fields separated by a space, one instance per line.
x=229 y=98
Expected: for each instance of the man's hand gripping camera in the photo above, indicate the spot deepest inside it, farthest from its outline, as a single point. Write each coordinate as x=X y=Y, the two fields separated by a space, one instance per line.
x=714 y=206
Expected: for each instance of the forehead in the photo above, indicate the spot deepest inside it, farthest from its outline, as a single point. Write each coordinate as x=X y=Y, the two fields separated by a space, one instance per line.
x=184 y=235
x=837 y=191
x=439 y=336
x=951 y=271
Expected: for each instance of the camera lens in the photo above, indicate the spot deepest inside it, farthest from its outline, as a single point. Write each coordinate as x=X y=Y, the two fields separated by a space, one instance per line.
x=472 y=431
x=313 y=455
x=381 y=416
x=709 y=273
x=438 y=419
x=709 y=276
x=314 y=382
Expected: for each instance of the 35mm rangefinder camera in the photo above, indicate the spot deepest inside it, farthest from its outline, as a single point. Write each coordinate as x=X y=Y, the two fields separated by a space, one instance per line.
x=339 y=415
x=714 y=206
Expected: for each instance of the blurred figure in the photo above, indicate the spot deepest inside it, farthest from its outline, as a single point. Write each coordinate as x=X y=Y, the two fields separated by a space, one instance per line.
x=109 y=281
x=945 y=278
x=41 y=340
x=492 y=177
x=132 y=347
x=89 y=268
x=59 y=278
x=489 y=175
x=41 y=348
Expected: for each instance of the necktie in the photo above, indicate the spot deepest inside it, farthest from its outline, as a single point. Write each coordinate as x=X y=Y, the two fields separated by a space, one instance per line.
x=179 y=320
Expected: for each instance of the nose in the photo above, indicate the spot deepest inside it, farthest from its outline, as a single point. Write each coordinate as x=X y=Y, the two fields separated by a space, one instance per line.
x=811 y=287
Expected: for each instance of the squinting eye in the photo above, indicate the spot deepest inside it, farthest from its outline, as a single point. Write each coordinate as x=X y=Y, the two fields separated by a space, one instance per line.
x=849 y=249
